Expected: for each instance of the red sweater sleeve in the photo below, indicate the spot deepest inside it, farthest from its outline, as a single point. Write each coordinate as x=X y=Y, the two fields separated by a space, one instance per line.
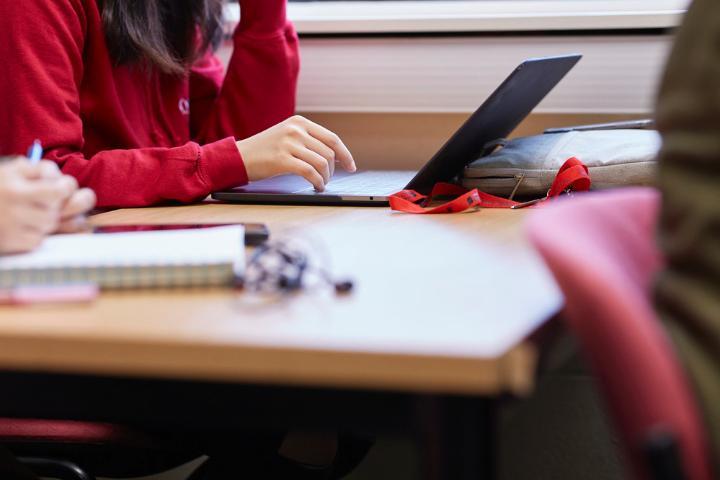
x=260 y=86
x=41 y=44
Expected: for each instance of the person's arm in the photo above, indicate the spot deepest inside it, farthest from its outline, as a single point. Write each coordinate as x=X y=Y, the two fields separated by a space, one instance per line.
x=40 y=97
x=257 y=96
x=688 y=290
x=260 y=86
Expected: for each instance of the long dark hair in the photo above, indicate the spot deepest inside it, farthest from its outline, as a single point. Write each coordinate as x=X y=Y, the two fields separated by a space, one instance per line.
x=167 y=35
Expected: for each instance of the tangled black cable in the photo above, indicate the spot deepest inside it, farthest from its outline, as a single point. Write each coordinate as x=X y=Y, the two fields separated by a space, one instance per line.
x=281 y=267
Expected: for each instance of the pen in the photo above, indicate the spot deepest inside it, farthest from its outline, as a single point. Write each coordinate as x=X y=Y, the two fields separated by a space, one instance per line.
x=35 y=152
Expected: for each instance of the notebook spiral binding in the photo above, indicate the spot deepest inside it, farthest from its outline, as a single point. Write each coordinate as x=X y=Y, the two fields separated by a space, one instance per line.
x=125 y=276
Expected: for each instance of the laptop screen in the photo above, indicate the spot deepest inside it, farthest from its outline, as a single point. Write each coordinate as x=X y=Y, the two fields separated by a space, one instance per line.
x=496 y=118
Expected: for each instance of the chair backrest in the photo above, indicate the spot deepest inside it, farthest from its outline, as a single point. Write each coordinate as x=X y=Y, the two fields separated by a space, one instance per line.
x=601 y=249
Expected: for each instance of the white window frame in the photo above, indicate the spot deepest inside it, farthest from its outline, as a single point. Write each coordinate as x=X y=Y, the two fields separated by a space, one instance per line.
x=625 y=43
x=479 y=16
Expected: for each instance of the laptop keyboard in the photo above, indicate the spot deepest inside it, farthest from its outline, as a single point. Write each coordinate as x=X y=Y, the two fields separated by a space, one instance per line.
x=379 y=183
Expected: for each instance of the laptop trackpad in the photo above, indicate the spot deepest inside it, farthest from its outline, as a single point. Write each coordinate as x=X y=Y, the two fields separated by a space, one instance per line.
x=282 y=184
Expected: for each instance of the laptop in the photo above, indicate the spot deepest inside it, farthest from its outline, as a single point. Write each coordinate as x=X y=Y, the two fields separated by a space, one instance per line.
x=499 y=115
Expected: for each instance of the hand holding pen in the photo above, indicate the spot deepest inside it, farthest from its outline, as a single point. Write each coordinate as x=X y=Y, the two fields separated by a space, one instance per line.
x=36 y=199
x=76 y=204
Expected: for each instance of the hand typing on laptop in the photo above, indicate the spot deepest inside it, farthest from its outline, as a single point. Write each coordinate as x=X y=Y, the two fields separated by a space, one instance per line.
x=295 y=146
x=302 y=147
x=36 y=200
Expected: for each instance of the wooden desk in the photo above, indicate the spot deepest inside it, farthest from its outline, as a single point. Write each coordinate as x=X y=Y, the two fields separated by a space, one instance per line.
x=442 y=303
x=443 y=306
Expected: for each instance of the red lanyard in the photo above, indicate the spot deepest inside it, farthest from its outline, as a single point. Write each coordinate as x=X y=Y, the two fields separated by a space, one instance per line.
x=572 y=176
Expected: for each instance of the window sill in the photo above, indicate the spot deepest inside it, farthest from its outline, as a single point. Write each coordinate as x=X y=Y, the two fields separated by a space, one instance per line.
x=479 y=16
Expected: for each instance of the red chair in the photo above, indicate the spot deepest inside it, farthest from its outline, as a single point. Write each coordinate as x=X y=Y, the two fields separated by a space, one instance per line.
x=49 y=447
x=601 y=250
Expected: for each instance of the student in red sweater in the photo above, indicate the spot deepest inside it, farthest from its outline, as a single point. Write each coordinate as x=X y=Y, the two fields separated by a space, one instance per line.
x=128 y=98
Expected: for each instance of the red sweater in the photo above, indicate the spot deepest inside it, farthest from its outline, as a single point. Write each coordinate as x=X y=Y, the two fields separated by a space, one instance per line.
x=138 y=138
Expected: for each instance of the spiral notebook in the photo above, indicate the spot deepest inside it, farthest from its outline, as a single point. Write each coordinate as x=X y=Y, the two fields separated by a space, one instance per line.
x=156 y=259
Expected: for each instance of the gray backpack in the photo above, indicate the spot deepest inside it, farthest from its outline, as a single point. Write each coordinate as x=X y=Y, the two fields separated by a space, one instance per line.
x=526 y=166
